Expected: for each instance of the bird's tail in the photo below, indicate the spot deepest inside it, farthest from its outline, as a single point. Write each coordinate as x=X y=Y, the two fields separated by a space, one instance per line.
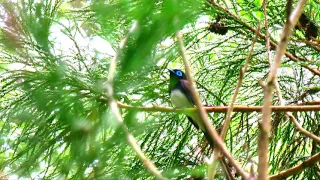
x=209 y=139
x=195 y=119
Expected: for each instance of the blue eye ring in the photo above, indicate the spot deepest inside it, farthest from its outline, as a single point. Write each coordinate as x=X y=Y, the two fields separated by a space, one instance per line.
x=179 y=73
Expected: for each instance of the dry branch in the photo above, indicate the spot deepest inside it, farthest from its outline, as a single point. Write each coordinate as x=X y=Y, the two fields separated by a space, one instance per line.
x=234 y=97
x=297 y=169
x=282 y=102
x=263 y=142
x=225 y=127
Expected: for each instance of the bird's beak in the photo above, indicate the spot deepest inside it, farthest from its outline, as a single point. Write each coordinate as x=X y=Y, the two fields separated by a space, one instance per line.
x=171 y=71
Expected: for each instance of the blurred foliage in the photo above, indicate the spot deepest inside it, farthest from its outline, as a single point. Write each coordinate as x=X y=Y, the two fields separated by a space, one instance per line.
x=54 y=117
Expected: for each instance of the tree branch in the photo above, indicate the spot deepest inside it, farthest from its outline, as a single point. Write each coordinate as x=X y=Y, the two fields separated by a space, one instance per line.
x=263 y=141
x=297 y=169
x=225 y=127
x=224 y=108
x=234 y=97
x=277 y=87
x=290 y=115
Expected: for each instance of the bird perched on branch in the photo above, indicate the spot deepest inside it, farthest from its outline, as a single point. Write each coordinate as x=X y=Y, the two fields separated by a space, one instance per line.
x=181 y=97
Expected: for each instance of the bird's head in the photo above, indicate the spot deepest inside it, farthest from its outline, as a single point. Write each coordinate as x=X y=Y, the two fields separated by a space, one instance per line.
x=177 y=74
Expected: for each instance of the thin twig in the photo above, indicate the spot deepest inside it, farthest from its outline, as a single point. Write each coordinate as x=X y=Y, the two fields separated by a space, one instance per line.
x=301 y=129
x=292 y=118
x=114 y=108
x=267 y=38
x=263 y=141
x=297 y=169
x=203 y=114
x=234 y=97
x=231 y=106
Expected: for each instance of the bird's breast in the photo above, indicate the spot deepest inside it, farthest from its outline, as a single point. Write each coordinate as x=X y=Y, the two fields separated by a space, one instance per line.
x=180 y=100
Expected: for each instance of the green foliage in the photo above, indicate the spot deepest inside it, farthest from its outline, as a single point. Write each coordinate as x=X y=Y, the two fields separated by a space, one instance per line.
x=54 y=117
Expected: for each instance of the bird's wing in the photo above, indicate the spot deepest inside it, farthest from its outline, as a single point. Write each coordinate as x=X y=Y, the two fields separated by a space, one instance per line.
x=195 y=118
x=186 y=88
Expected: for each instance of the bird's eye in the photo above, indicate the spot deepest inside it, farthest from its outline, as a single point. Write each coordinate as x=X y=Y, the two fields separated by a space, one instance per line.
x=179 y=73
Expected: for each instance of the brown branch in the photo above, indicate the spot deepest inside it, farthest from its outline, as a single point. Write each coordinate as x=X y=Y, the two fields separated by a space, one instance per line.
x=226 y=124
x=292 y=118
x=301 y=129
x=282 y=101
x=203 y=114
x=316 y=46
x=263 y=142
x=234 y=97
x=263 y=170
x=224 y=108
x=290 y=115
x=297 y=169
x=115 y=110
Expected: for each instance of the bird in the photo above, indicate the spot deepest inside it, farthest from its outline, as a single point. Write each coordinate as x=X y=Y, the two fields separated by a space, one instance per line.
x=181 y=97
